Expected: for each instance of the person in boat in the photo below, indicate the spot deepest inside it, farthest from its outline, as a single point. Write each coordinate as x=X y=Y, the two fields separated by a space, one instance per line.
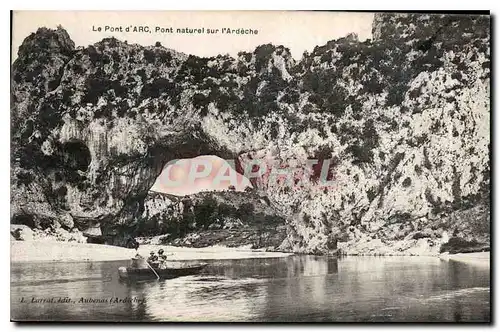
x=162 y=258
x=137 y=261
x=153 y=259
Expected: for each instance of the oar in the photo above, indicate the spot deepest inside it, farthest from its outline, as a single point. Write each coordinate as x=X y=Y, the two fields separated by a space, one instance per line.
x=153 y=270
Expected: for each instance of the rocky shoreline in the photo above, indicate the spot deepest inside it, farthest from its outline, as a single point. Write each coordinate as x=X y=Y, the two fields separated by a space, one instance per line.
x=57 y=251
x=27 y=241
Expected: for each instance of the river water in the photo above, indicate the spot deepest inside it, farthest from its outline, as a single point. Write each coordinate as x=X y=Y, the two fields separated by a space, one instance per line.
x=290 y=289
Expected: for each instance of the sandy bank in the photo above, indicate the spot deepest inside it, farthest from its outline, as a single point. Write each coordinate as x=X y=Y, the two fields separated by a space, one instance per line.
x=481 y=259
x=39 y=251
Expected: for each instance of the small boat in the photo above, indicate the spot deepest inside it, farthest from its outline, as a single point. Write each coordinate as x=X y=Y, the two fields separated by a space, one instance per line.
x=172 y=270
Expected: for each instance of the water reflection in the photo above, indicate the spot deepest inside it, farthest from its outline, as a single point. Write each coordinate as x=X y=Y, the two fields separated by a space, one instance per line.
x=297 y=288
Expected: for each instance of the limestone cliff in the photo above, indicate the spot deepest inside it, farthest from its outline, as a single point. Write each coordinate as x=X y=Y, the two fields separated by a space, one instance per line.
x=404 y=117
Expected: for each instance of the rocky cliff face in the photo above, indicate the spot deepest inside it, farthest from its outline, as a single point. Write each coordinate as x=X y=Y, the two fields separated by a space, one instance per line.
x=207 y=218
x=404 y=118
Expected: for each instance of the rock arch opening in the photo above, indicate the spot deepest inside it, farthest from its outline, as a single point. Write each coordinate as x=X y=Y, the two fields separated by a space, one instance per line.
x=188 y=176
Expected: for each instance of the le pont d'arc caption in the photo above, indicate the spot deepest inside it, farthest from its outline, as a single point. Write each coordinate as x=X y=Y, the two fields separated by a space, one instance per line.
x=171 y=30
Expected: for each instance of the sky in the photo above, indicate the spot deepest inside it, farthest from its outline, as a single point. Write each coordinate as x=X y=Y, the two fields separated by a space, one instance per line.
x=203 y=173
x=297 y=30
